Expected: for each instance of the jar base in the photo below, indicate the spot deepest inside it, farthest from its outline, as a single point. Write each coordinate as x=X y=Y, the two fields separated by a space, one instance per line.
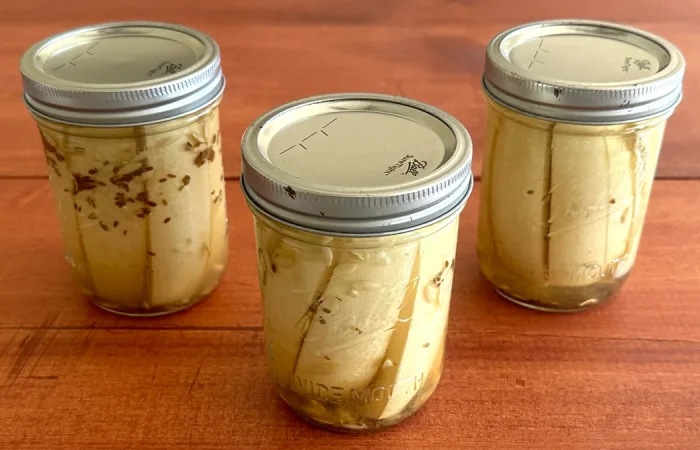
x=537 y=305
x=153 y=312
x=346 y=420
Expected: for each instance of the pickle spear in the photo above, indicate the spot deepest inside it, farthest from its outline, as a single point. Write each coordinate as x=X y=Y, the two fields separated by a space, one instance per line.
x=218 y=234
x=179 y=231
x=416 y=344
x=645 y=148
x=355 y=318
x=293 y=276
x=521 y=153
x=61 y=182
x=115 y=261
x=579 y=209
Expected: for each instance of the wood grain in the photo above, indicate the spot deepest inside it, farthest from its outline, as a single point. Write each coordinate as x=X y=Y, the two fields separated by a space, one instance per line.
x=275 y=51
x=658 y=302
x=623 y=376
x=209 y=389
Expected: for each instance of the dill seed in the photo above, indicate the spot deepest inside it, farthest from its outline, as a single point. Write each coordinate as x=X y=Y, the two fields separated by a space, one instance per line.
x=327 y=358
x=170 y=175
x=200 y=159
x=186 y=180
x=167 y=219
x=326 y=310
x=116 y=223
x=150 y=253
x=103 y=226
x=92 y=216
x=148 y=169
x=152 y=204
x=320 y=319
x=125 y=232
x=165 y=202
x=163 y=180
x=93 y=171
x=106 y=163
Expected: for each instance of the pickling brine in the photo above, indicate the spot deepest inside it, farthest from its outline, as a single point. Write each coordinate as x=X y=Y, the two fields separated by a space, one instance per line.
x=355 y=328
x=128 y=115
x=576 y=117
x=142 y=210
x=563 y=231
x=356 y=200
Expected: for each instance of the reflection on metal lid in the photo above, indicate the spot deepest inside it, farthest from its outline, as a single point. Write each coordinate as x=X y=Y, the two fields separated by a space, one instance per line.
x=356 y=163
x=584 y=71
x=122 y=73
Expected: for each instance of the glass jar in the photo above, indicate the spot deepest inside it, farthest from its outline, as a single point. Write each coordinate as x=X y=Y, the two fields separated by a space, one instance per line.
x=570 y=158
x=138 y=182
x=356 y=288
x=355 y=327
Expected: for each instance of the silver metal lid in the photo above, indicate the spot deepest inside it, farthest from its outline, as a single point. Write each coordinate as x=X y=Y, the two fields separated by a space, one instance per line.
x=356 y=164
x=584 y=71
x=117 y=74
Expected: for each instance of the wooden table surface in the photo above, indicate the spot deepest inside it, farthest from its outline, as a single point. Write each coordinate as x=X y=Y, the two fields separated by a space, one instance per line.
x=624 y=375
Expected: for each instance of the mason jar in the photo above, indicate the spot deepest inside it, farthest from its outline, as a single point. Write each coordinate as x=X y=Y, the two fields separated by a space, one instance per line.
x=356 y=201
x=129 y=121
x=576 y=117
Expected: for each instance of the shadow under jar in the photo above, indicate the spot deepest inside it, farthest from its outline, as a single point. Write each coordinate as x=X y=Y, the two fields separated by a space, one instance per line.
x=128 y=117
x=576 y=117
x=356 y=199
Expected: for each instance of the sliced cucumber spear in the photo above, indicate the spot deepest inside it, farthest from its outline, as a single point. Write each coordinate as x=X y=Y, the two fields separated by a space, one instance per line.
x=356 y=316
x=415 y=348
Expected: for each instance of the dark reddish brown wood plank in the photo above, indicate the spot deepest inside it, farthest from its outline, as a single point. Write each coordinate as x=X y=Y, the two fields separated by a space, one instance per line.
x=659 y=300
x=276 y=51
x=175 y=389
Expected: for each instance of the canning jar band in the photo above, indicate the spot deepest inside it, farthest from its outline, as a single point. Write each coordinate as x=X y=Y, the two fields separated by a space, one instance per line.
x=154 y=115
x=338 y=228
x=578 y=116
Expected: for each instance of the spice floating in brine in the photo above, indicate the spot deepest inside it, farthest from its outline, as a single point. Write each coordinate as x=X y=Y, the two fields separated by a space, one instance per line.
x=356 y=288
x=138 y=243
x=575 y=124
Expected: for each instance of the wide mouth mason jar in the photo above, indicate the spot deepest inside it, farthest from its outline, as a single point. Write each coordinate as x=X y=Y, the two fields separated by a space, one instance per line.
x=128 y=116
x=576 y=116
x=356 y=200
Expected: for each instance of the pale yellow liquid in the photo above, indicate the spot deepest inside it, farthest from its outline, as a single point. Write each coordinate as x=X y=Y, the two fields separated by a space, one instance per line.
x=142 y=210
x=355 y=327
x=562 y=207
